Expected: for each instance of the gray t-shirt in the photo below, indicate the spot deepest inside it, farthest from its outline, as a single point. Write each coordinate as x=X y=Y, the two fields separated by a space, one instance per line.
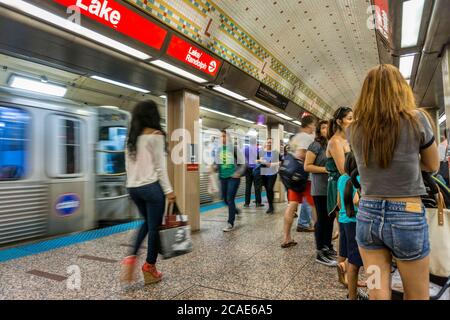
x=403 y=177
x=319 y=181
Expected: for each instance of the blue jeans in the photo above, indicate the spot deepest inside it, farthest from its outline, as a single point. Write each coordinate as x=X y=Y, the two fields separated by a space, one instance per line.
x=396 y=226
x=305 y=216
x=151 y=202
x=229 y=189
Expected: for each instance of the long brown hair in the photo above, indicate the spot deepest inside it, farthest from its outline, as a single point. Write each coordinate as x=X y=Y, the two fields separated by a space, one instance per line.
x=385 y=99
x=319 y=138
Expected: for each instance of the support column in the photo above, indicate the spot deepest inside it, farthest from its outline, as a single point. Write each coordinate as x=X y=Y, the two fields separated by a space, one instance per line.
x=276 y=132
x=183 y=110
x=446 y=86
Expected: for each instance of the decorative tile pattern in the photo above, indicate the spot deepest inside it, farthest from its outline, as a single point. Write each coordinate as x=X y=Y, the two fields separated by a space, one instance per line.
x=204 y=22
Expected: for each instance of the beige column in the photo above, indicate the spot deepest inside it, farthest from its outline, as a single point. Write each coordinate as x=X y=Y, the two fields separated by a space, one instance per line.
x=276 y=133
x=183 y=113
x=446 y=83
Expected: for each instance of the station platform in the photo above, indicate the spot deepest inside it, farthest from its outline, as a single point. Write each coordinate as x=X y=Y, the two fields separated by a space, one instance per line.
x=247 y=263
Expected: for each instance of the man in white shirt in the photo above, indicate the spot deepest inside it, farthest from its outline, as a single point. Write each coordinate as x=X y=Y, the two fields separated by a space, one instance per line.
x=297 y=147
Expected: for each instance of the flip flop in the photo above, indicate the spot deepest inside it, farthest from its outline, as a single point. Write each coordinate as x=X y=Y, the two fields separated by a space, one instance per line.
x=289 y=244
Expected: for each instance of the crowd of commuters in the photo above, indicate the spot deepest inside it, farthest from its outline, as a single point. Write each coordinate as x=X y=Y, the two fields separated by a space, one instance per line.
x=365 y=167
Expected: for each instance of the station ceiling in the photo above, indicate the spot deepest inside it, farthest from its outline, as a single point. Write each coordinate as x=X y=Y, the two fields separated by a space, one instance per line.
x=326 y=43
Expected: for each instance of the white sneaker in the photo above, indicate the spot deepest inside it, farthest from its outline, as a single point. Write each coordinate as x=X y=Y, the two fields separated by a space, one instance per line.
x=229 y=228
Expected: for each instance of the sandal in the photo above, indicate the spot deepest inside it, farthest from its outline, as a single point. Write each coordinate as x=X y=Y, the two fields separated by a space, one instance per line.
x=362 y=284
x=289 y=244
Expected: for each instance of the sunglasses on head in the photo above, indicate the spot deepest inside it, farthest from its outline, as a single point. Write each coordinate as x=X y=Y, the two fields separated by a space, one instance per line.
x=341 y=111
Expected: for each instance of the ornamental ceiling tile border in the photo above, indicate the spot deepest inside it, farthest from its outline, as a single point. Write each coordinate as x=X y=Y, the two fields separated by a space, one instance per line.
x=230 y=42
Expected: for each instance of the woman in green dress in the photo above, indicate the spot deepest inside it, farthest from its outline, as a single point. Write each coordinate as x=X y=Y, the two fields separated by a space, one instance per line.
x=338 y=147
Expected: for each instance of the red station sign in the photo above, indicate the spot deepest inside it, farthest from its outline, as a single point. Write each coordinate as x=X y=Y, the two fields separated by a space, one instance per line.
x=193 y=56
x=120 y=18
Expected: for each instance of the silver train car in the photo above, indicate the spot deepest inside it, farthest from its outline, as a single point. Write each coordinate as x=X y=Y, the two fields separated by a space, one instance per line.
x=62 y=166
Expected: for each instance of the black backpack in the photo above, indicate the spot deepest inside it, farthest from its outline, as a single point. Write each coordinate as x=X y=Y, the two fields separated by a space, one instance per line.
x=292 y=173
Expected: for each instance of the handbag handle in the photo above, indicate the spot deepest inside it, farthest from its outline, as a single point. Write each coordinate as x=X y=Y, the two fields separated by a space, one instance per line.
x=441 y=204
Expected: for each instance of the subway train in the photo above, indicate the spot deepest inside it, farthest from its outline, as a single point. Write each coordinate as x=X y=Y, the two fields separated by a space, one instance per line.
x=62 y=166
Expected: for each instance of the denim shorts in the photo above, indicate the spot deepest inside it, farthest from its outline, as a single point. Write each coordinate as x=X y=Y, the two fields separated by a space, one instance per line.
x=383 y=224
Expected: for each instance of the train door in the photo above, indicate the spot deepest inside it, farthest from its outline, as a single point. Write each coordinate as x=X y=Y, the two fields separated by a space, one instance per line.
x=23 y=191
x=112 y=200
x=67 y=151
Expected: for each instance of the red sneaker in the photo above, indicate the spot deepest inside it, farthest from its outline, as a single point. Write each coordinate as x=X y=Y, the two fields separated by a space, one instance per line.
x=151 y=275
x=128 y=268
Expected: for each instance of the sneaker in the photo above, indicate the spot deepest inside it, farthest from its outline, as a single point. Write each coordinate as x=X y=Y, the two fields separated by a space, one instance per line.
x=331 y=253
x=246 y=206
x=303 y=229
x=269 y=211
x=259 y=205
x=323 y=259
x=362 y=294
x=229 y=228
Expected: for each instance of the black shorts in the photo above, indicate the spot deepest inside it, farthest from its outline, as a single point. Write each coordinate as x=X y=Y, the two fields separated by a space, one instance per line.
x=348 y=247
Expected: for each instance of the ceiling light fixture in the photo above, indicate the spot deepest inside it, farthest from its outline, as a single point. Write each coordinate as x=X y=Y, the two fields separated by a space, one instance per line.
x=119 y=84
x=297 y=122
x=229 y=93
x=259 y=106
x=245 y=120
x=170 y=67
x=406 y=65
x=38 y=86
x=217 y=112
x=442 y=118
x=66 y=24
x=283 y=116
x=411 y=21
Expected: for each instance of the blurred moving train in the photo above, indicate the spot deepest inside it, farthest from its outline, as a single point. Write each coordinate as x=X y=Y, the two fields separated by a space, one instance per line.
x=62 y=166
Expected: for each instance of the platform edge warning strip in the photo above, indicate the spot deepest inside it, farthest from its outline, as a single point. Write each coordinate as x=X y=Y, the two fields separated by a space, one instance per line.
x=84 y=236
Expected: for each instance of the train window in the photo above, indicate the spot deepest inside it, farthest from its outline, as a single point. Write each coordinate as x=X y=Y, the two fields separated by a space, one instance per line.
x=14 y=124
x=111 y=151
x=65 y=150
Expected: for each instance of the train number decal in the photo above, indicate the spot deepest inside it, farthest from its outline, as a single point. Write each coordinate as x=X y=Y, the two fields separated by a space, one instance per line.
x=67 y=204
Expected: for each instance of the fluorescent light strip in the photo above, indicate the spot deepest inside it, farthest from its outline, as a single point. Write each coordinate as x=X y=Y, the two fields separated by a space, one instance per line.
x=218 y=112
x=178 y=71
x=37 y=86
x=229 y=93
x=411 y=21
x=283 y=116
x=73 y=27
x=245 y=120
x=297 y=122
x=442 y=119
x=406 y=65
x=120 y=84
x=259 y=106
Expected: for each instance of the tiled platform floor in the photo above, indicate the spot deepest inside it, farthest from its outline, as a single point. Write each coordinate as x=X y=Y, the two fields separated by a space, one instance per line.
x=247 y=263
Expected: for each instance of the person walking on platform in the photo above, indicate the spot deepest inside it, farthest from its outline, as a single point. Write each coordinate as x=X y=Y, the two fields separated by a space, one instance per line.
x=252 y=173
x=315 y=164
x=338 y=147
x=298 y=146
x=270 y=162
x=393 y=142
x=148 y=185
x=230 y=164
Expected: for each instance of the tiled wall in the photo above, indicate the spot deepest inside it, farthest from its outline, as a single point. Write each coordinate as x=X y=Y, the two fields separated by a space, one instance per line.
x=205 y=23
